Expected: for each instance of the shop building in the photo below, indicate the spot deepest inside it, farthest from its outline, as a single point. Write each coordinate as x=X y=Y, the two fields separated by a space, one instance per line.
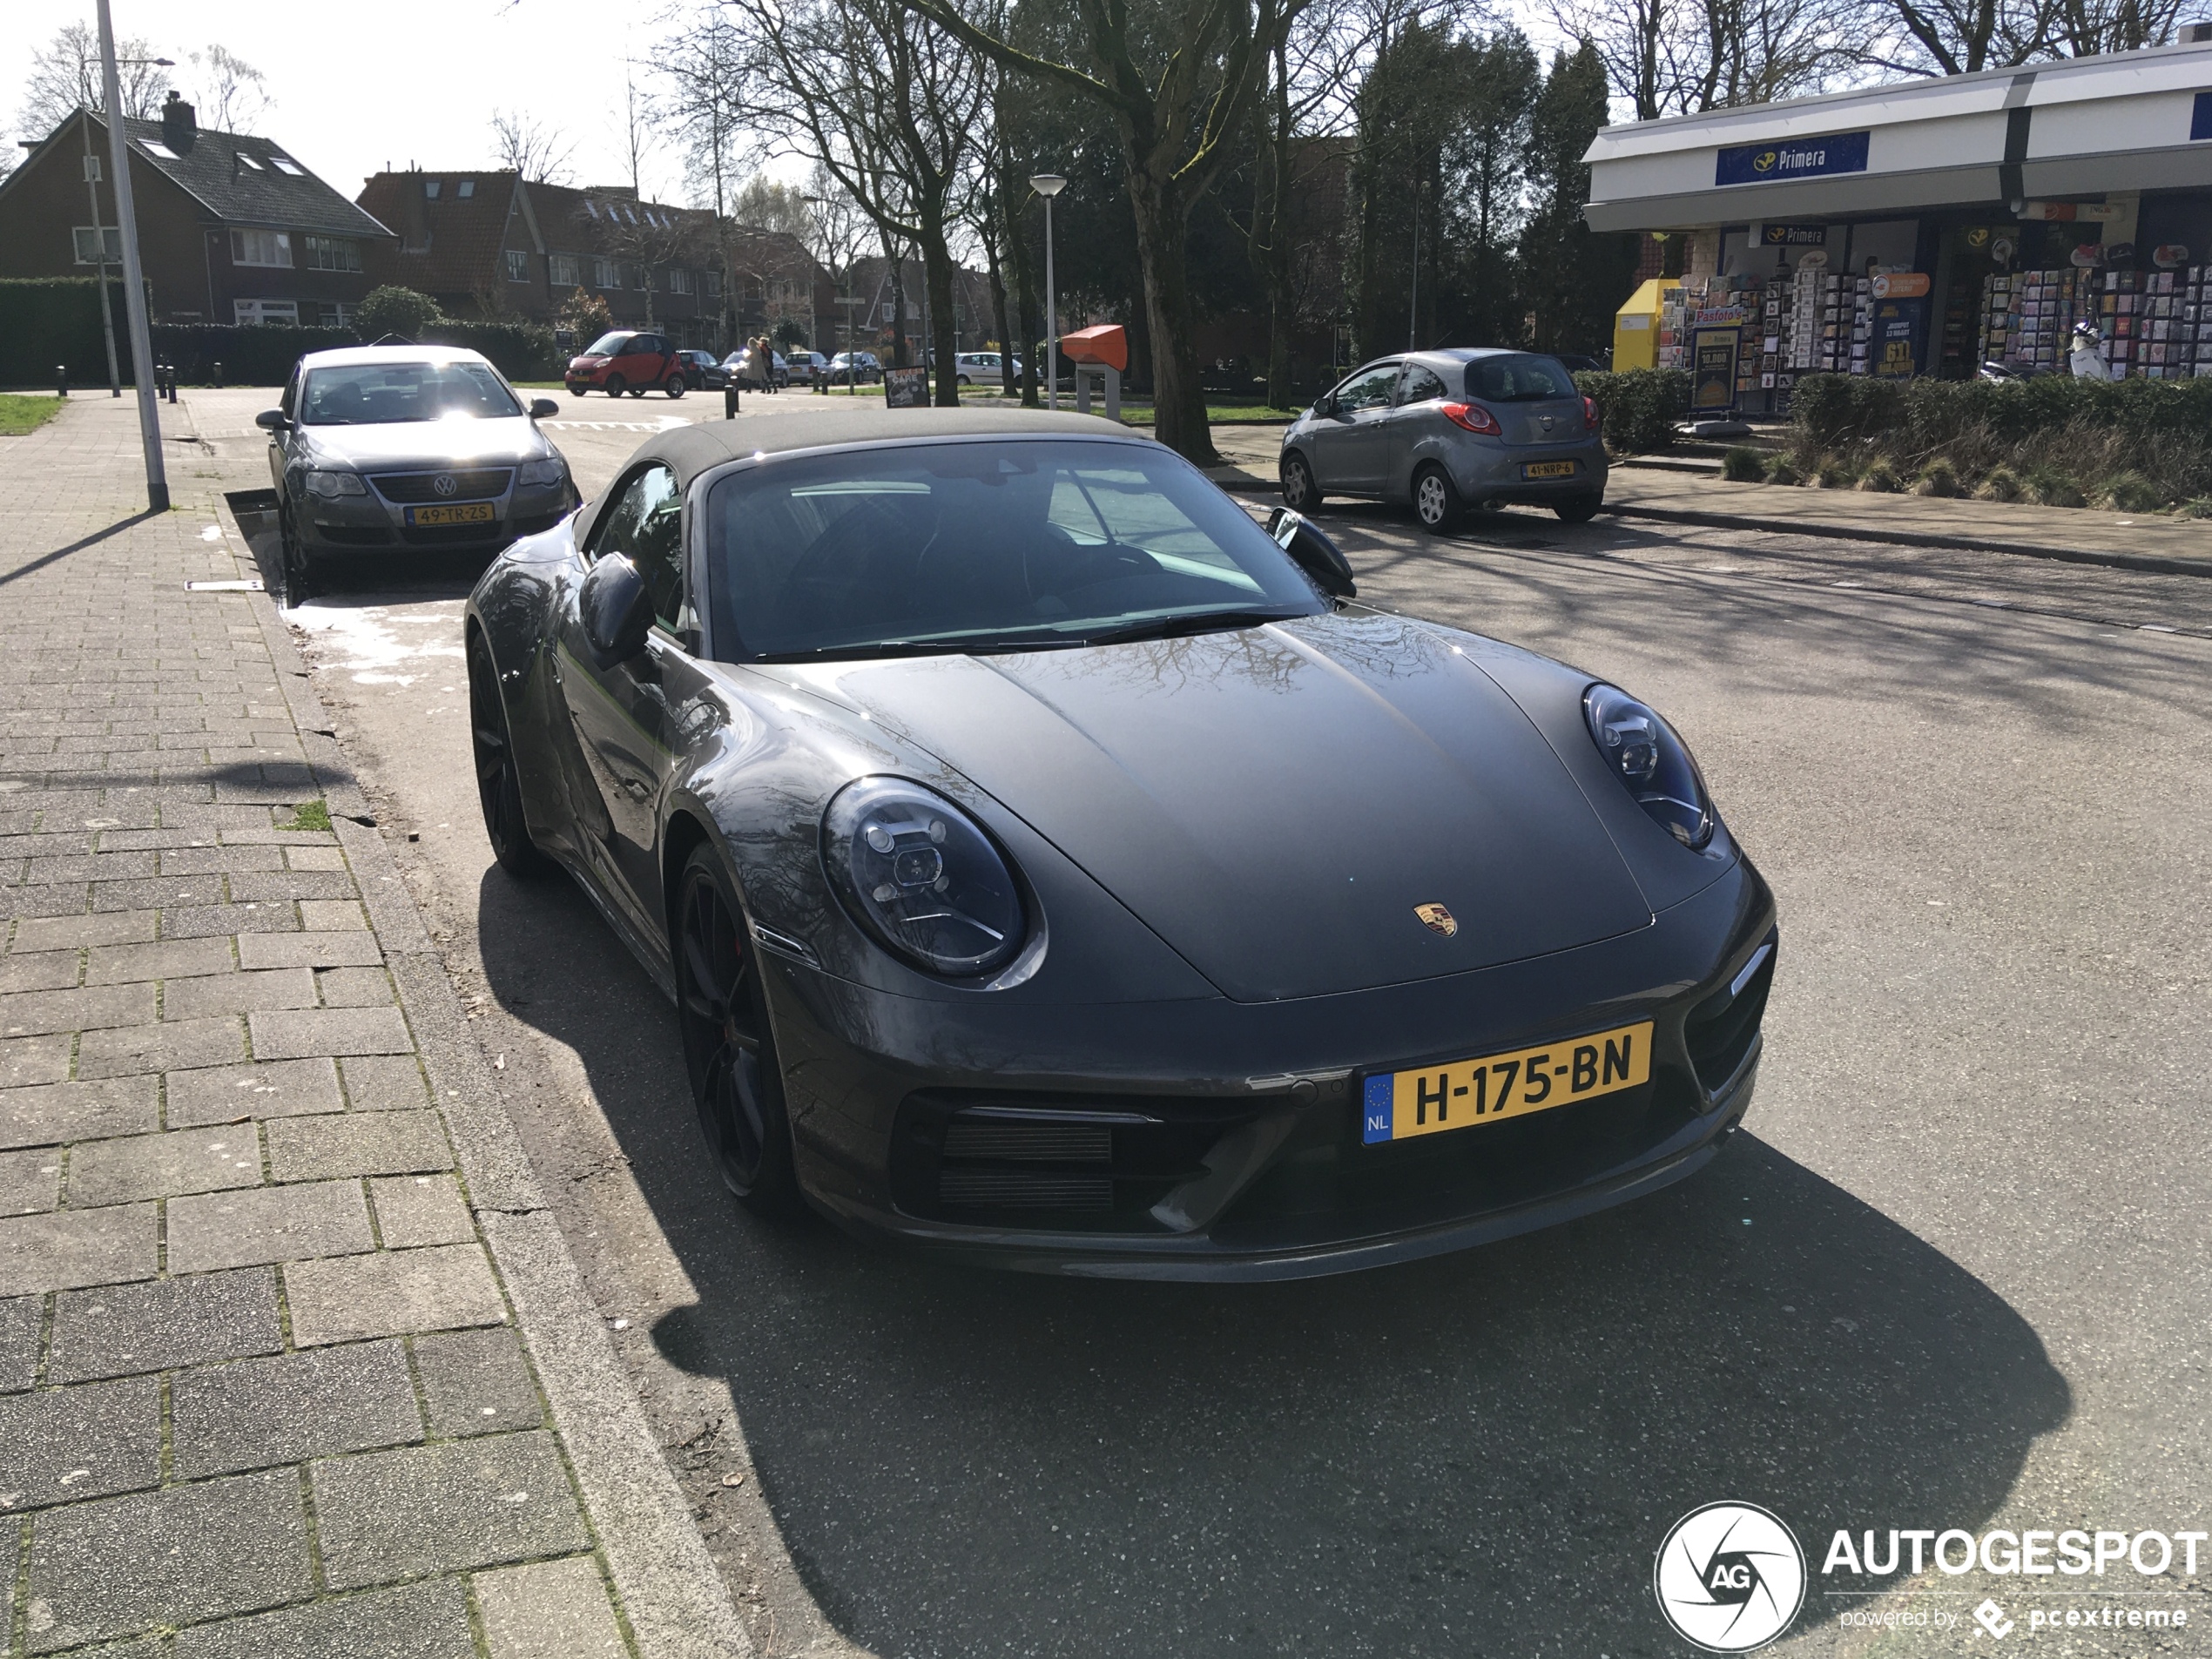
x=1924 y=228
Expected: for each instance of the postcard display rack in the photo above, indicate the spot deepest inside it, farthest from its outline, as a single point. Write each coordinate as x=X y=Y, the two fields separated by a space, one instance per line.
x=2150 y=318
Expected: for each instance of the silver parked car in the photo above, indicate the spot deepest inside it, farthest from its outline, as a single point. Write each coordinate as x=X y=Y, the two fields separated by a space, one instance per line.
x=382 y=446
x=1445 y=430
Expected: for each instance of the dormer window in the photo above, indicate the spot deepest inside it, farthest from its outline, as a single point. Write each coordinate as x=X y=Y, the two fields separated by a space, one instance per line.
x=155 y=147
x=591 y=209
x=466 y=189
x=244 y=160
x=431 y=188
x=287 y=164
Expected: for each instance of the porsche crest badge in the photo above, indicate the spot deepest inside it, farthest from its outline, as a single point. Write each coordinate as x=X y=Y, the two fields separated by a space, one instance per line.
x=1437 y=918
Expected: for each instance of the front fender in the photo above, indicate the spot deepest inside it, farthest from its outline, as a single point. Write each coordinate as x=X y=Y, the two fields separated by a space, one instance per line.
x=513 y=608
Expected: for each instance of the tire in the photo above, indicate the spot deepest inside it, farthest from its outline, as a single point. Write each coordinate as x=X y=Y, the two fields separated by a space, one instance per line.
x=499 y=789
x=297 y=569
x=617 y=386
x=636 y=391
x=579 y=391
x=1300 y=493
x=1436 y=499
x=675 y=388
x=729 y=1046
x=1578 y=509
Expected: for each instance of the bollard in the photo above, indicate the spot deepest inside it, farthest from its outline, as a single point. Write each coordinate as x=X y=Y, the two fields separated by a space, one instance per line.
x=218 y=368
x=730 y=398
x=61 y=378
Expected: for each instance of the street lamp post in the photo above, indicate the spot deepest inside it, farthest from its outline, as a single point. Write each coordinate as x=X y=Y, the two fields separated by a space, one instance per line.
x=134 y=292
x=1047 y=185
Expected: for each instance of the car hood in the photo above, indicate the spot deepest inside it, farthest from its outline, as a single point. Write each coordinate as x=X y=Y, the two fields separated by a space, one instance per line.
x=430 y=443
x=1276 y=802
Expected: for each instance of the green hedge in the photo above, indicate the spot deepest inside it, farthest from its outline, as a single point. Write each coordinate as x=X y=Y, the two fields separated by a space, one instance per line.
x=1639 y=405
x=1905 y=417
x=45 y=320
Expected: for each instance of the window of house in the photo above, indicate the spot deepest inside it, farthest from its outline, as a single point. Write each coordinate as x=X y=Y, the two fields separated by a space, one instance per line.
x=332 y=253
x=244 y=160
x=431 y=188
x=679 y=279
x=603 y=274
x=714 y=284
x=641 y=276
x=518 y=266
x=591 y=209
x=89 y=243
x=561 y=270
x=465 y=189
x=261 y=248
x=286 y=163
x=250 y=313
x=155 y=147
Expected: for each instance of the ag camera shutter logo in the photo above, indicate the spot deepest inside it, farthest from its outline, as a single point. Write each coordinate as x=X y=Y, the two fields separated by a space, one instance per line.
x=1729 y=1577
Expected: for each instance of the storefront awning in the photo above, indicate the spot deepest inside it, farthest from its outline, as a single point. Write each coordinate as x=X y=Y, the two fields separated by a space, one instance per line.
x=2132 y=121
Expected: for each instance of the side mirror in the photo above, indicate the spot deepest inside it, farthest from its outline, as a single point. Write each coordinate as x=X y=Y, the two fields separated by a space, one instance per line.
x=1313 y=552
x=275 y=420
x=618 y=610
x=543 y=408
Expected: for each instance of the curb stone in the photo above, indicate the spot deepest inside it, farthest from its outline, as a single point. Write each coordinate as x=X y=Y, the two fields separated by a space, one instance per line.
x=670 y=1588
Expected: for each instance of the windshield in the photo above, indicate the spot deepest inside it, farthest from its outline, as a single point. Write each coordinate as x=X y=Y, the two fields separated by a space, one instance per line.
x=1005 y=544
x=393 y=393
x=1513 y=378
x=607 y=346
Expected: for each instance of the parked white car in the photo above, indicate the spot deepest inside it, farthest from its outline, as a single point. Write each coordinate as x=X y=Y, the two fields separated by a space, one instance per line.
x=740 y=367
x=982 y=368
x=807 y=367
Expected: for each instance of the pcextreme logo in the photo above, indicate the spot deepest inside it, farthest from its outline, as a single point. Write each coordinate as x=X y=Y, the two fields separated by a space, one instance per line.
x=1729 y=1577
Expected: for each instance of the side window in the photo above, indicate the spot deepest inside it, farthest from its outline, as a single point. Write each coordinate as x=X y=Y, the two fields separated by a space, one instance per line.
x=290 y=401
x=645 y=525
x=1419 y=385
x=1368 y=390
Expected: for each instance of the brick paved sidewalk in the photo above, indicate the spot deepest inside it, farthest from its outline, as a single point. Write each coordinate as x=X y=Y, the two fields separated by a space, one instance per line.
x=292 y=1361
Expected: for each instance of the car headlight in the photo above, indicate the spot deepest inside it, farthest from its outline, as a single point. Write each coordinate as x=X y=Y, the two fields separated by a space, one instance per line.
x=921 y=878
x=1644 y=752
x=551 y=471
x=331 y=484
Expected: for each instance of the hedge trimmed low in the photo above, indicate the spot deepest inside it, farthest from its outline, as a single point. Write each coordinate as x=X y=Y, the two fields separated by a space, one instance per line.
x=1639 y=406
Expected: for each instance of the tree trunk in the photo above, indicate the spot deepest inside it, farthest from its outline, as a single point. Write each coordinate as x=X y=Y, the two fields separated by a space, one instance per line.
x=944 y=336
x=998 y=300
x=1276 y=256
x=1025 y=289
x=1179 y=399
x=898 y=262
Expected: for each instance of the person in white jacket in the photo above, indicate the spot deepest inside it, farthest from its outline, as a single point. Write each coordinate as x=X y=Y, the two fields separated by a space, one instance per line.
x=2087 y=359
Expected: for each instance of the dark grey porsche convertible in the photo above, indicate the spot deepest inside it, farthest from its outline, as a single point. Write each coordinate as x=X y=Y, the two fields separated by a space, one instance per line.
x=1051 y=866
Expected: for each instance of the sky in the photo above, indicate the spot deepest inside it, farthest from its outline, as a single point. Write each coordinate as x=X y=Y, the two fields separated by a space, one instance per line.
x=359 y=87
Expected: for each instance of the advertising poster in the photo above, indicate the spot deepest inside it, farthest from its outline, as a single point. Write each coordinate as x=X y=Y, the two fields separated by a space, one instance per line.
x=1713 y=382
x=905 y=388
x=1900 y=337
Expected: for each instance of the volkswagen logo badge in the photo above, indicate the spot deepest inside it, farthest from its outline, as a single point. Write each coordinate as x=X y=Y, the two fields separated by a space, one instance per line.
x=446 y=484
x=1547 y=420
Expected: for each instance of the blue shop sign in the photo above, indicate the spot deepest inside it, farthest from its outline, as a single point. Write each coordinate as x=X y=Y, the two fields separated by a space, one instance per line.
x=1765 y=164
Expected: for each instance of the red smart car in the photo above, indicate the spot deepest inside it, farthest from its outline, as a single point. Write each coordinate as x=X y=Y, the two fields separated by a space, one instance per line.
x=627 y=362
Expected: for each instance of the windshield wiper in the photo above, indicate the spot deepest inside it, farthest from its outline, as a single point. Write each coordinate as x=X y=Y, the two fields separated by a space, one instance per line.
x=1198 y=622
x=952 y=647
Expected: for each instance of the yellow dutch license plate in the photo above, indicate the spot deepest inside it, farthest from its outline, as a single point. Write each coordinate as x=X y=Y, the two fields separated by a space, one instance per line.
x=1548 y=469
x=468 y=512
x=1397 y=1105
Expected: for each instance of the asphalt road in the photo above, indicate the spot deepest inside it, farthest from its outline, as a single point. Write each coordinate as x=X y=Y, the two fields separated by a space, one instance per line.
x=1951 y=1276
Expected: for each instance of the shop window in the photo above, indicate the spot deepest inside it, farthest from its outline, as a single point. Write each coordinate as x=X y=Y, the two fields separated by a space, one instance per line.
x=272 y=249
x=518 y=266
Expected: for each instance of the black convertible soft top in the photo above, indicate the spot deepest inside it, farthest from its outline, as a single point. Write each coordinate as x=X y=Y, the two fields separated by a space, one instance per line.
x=691 y=450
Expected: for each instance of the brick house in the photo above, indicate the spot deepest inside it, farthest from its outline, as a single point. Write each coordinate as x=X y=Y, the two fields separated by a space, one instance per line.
x=232 y=229
x=491 y=244
x=975 y=317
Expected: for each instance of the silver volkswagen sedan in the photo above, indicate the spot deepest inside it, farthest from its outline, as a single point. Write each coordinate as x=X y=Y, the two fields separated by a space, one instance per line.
x=1447 y=430
x=383 y=447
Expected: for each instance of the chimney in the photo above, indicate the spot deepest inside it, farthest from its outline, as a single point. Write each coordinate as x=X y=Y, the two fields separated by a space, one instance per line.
x=179 y=126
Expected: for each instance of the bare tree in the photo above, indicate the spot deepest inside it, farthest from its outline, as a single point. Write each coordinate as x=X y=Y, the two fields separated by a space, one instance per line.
x=1685 y=56
x=702 y=112
x=2086 y=28
x=1178 y=84
x=891 y=107
x=839 y=231
x=65 y=76
x=230 y=94
x=525 y=144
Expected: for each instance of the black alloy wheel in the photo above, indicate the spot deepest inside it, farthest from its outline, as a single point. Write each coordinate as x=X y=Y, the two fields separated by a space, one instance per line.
x=675 y=387
x=1300 y=494
x=737 y=1082
x=1436 y=499
x=498 y=786
x=1578 y=509
x=617 y=386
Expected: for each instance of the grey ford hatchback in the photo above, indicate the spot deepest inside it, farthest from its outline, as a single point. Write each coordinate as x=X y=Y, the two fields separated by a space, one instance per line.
x=1446 y=430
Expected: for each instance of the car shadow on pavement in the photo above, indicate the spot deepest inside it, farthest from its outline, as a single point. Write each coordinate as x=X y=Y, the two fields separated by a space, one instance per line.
x=1476 y=1453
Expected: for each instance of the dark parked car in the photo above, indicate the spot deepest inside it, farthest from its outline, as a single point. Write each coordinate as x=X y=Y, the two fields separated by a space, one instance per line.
x=1052 y=868
x=383 y=447
x=626 y=361
x=703 y=370
x=1447 y=430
